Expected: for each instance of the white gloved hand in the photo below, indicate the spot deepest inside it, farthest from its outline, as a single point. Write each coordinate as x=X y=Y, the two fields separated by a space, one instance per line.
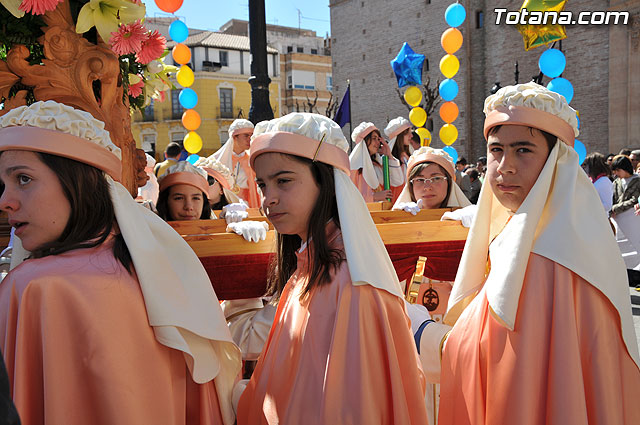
x=410 y=207
x=464 y=215
x=418 y=315
x=235 y=212
x=251 y=231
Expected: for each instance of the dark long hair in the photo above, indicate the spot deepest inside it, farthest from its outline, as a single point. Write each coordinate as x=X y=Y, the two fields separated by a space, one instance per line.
x=399 y=147
x=366 y=141
x=163 y=206
x=223 y=199
x=596 y=165
x=418 y=169
x=323 y=258
x=92 y=214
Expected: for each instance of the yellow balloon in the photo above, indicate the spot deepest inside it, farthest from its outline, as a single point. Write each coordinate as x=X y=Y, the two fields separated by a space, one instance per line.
x=449 y=65
x=448 y=134
x=425 y=136
x=192 y=142
x=185 y=76
x=418 y=116
x=413 y=96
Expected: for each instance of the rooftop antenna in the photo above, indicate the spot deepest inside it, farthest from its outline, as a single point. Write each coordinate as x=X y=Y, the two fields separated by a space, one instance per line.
x=299 y=18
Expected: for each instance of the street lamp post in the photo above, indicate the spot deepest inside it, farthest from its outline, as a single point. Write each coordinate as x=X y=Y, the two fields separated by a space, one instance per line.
x=259 y=80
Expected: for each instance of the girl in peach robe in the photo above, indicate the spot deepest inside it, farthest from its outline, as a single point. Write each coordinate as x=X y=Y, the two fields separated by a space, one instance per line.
x=340 y=349
x=111 y=318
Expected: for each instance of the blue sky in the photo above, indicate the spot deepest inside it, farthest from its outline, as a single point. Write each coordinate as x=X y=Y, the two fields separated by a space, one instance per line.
x=211 y=14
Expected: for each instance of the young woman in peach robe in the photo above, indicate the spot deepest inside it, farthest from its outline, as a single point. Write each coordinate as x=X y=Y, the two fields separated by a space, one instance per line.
x=111 y=318
x=340 y=349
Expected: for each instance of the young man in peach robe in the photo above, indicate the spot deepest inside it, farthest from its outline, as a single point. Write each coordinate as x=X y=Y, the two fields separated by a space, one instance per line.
x=541 y=321
x=235 y=156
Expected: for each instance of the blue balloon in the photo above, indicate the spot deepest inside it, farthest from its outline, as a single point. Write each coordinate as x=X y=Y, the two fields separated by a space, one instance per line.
x=178 y=31
x=552 y=63
x=188 y=98
x=448 y=89
x=452 y=153
x=407 y=66
x=581 y=150
x=455 y=14
x=193 y=158
x=578 y=118
x=561 y=86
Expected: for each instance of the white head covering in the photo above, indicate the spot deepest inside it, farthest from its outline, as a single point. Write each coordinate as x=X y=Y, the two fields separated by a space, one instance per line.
x=360 y=157
x=561 y=219
x=315 y=136
x=440 y=157
x=224 y=154
x=181 y=305
x=222 y=174
x=394 y=128
x=240 y=126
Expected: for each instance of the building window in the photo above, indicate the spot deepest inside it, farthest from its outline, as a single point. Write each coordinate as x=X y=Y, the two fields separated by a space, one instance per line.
x=289 y=81
x=314 y=51
x=176 y=107
x=149 y=144
x=305 y=80
x=224 y=58
x=289 y=49
x=177 y=137
x=426 y=64
x=330 y=82
x=148 y=112
x=226 y=103
x=479 y=19
x=300 y=50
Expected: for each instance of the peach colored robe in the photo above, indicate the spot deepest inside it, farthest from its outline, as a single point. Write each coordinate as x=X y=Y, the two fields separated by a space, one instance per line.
x=250 y=193
x=565 y=362
x=343 y=356
x=79 y=349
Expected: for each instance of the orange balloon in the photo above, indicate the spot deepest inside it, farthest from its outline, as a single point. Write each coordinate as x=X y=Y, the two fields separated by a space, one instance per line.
x=191 y=119
x=449 y=112
x=169 y=6
x=181 y=54
x=451 y=40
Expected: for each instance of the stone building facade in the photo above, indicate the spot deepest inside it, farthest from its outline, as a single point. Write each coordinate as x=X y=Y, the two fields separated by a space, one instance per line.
x=603 y=64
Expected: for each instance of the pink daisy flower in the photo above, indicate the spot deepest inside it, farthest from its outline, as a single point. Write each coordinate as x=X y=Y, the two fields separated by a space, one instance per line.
x=39 y=7
x=152 y=48
x=135 y=90
x=128 y=38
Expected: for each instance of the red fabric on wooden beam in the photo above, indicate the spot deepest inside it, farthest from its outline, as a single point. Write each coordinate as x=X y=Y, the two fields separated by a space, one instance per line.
x=238 y=276
x=443 y=259
x=245 y=276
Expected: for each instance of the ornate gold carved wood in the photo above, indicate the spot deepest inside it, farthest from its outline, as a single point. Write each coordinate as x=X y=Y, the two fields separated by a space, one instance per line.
x=79 y=74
